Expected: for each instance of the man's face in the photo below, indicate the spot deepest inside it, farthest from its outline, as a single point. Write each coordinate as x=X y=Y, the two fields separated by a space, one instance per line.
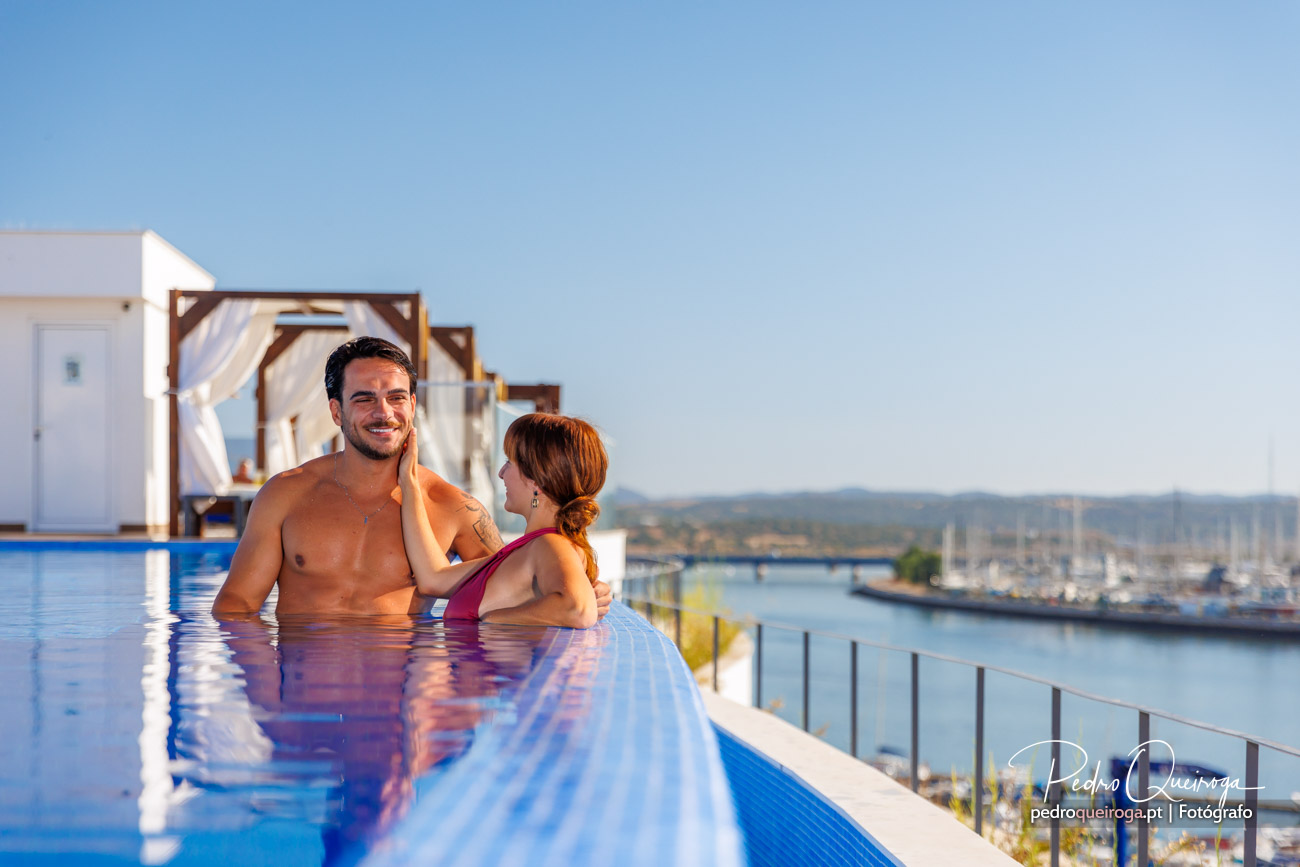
x=377 y=407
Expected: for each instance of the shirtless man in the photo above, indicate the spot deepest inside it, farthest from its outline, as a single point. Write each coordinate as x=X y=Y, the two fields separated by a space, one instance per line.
x=330 y=531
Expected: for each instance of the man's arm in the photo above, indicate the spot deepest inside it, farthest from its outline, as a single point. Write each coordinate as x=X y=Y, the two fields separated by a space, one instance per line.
x=476 y=533
x=434 y=575
x=257 y=561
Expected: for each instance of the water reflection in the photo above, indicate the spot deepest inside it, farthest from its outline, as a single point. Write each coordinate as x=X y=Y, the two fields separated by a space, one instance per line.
x=134 y=726
x=342 y=714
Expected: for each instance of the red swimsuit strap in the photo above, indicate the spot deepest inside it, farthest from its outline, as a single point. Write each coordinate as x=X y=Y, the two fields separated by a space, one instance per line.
x=465 y=602
x=523 y=540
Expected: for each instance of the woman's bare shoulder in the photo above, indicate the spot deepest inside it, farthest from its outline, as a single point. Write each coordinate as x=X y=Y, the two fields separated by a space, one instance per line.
x=558 y=550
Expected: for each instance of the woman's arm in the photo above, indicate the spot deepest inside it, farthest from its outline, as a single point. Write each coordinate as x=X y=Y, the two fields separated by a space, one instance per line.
x=434 y=574
x=562 y=594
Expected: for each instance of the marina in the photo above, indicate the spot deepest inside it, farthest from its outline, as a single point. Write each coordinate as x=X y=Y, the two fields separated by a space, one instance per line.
x=1232 y=682
x=863 y=708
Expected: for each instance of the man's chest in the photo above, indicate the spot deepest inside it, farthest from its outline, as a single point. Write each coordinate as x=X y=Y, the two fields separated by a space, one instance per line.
x=336 y=539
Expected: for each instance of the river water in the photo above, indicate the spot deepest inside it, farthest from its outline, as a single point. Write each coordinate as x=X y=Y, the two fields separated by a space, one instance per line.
x=1242 y=684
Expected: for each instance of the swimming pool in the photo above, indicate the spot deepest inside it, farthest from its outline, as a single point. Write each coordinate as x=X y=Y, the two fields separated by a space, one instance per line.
x=137 y=729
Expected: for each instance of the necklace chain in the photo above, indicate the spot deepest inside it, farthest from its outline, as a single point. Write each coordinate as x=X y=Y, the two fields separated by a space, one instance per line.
x=365 y=519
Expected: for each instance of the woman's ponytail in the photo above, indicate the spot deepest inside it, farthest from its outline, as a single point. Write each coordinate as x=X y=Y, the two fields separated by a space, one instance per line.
x=573 y=519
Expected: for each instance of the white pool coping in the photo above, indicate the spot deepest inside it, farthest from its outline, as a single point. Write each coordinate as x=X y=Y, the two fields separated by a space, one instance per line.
x=916 y=832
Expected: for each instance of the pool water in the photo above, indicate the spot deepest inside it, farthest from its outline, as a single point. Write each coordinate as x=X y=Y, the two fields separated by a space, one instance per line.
x=303 y=730
x=136 y=728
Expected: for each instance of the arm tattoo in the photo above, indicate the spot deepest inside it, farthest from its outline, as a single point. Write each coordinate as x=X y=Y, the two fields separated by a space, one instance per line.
x=484 y=527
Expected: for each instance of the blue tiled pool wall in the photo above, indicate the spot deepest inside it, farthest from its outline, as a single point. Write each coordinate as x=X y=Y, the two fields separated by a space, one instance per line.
x=609 y=759
x=785 y=821
x=603 y=752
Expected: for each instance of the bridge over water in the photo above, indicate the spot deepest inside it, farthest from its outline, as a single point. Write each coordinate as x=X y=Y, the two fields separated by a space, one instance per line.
x=762 y=562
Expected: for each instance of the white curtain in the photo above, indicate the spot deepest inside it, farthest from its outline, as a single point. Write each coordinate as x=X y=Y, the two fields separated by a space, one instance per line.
x=458 y=437
x=444 y=410
x=365 y=320
x=216 y=358
x=482 y=444
x=295 y=386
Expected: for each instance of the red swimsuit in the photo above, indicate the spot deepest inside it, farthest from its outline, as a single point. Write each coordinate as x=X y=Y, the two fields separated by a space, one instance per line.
x=465 y=602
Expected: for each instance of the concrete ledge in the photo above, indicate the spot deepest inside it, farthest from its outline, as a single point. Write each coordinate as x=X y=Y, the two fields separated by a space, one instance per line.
x=913 y=830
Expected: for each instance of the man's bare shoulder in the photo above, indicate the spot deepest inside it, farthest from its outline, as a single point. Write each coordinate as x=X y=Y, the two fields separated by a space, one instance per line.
x=440 y=491
x=284 y=488
x=476 y=533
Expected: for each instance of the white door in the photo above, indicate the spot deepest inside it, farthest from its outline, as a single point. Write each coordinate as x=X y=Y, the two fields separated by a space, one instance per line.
x=73 y=460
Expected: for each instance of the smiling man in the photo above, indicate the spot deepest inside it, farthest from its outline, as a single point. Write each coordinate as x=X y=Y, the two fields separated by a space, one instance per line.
x=330 y=531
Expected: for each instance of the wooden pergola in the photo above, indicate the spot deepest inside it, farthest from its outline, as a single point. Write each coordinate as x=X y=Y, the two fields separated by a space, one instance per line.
x=412 y=325
x=458 y=342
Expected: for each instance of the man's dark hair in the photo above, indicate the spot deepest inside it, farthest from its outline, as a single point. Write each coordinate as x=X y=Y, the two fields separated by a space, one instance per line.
x=362 y=347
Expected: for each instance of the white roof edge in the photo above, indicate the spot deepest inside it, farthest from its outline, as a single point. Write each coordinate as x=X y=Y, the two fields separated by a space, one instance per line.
x=140 y=232
x=168 y=244
x=4 y=231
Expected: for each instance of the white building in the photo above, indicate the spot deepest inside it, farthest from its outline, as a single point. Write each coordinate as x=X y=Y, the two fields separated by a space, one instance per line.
x=84 y=343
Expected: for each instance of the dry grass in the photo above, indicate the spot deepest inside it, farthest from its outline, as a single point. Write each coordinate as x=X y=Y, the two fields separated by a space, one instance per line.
x=697 y=629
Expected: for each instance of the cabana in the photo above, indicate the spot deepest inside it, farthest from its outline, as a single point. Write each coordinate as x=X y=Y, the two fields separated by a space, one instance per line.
x=119 y=347
x=221 y=338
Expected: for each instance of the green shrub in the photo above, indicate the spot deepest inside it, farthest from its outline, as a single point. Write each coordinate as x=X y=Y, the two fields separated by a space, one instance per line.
x=918 y=566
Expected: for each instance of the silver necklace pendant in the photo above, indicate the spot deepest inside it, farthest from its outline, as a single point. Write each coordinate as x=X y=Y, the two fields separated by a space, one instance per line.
x=365 y=519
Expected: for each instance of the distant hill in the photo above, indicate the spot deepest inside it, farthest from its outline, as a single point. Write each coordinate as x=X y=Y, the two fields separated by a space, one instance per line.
x=627 y=497
x=1156 y=519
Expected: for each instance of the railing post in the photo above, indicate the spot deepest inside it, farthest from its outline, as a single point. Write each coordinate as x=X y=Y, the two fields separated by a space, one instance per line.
x=806 y=714
x=916 y=705
x=677 y=601
x=1144 y=784
x=758 y=665
x=1252 y=804
x=715 y=653
x=853 y=699
x=1054 y=792
x=978 y=782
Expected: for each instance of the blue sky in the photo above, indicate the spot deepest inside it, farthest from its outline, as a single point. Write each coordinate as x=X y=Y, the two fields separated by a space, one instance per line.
x=1018 y=247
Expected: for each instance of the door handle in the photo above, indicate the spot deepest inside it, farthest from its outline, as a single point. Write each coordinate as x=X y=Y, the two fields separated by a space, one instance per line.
x=36 y=434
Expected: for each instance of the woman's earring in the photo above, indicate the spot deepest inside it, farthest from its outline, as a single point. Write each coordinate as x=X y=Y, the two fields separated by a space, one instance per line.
x=534 y=503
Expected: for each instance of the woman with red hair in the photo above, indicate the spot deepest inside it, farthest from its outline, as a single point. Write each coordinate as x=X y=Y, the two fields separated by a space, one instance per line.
x=555 y=467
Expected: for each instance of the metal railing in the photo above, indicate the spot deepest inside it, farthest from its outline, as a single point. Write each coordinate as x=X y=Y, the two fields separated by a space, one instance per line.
x=648 y=579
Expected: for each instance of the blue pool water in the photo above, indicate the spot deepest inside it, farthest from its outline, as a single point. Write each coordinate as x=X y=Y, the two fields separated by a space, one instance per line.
x=135 y=728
